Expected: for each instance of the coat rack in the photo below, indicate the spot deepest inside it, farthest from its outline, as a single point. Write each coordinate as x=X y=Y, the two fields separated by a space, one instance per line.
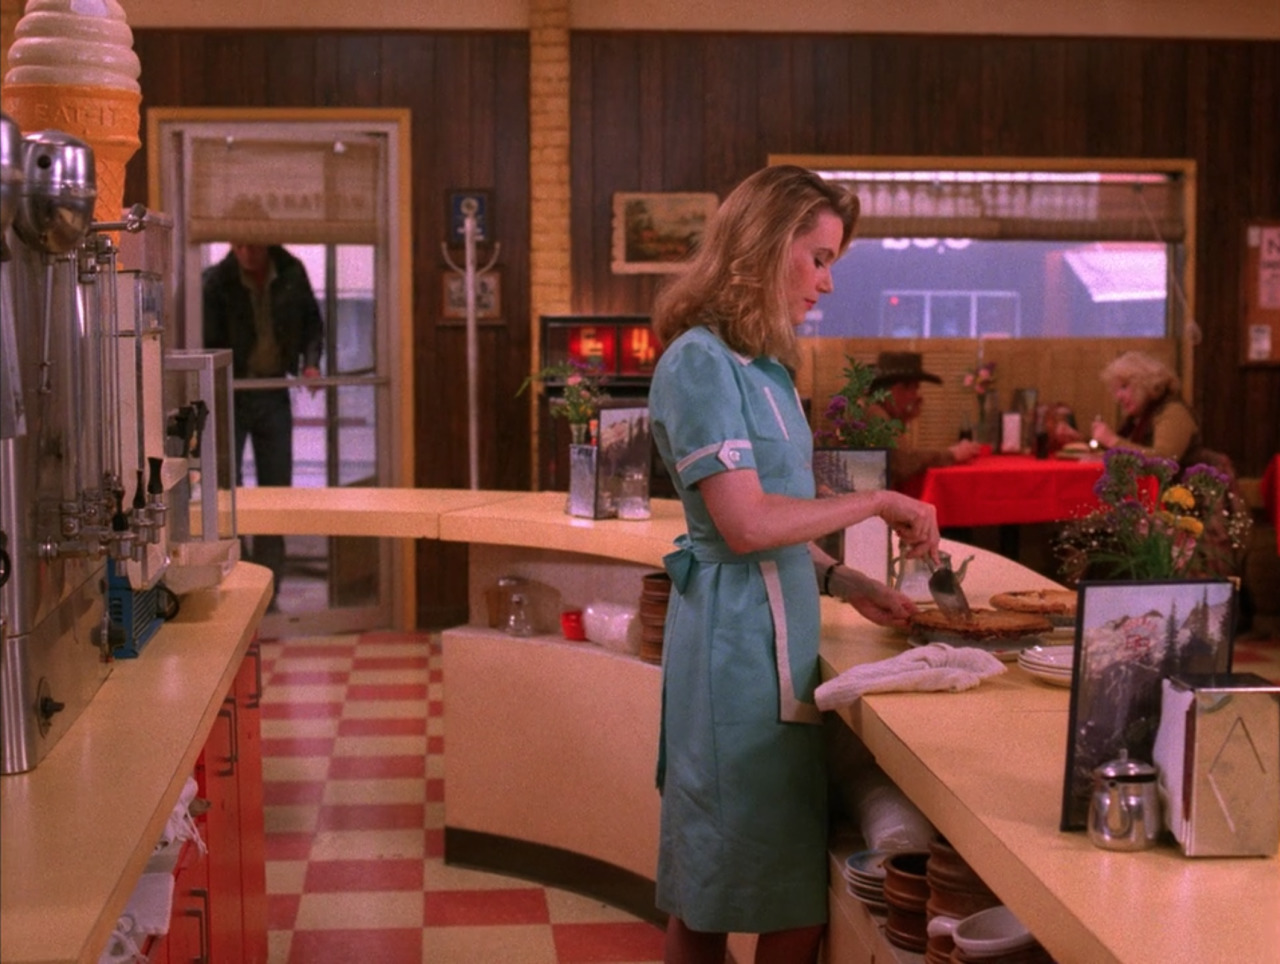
x=470 y=274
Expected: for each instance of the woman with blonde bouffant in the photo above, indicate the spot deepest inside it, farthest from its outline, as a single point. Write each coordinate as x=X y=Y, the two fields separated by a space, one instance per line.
x=1155 y=418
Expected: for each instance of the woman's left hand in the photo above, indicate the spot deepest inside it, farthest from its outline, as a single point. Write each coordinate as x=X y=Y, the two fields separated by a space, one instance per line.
x=881 y=604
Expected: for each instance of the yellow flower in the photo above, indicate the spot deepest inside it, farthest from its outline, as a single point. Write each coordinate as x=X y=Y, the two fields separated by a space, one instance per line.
x=1190 y=524
x=1179 y=496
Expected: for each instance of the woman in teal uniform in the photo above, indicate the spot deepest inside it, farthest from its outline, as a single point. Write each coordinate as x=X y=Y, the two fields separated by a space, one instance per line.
x=741 y=762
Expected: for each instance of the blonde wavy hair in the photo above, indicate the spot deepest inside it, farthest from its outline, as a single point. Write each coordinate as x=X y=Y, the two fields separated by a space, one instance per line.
x=736 y=279
x=1150 y=376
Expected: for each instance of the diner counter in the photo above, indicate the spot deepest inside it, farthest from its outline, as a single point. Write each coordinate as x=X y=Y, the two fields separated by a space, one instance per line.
x=986 y=767
x=78 y=829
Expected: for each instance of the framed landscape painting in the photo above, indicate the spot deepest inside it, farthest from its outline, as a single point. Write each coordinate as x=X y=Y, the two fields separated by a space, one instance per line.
x=655 y=233
x=1129 y=637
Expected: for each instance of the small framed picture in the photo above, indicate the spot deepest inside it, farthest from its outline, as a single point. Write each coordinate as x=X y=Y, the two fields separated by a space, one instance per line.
x=866 y=546
x=488 y=295
x=462 y=204
x=655 y=233
x=1129 y=637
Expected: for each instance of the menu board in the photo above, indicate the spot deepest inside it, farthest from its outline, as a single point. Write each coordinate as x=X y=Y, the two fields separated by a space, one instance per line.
x=1261 y=283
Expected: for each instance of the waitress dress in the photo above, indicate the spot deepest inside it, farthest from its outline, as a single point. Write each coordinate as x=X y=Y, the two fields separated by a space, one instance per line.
x=741 y=763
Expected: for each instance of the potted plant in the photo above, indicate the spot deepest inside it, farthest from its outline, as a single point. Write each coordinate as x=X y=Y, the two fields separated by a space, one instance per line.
x=581 y=392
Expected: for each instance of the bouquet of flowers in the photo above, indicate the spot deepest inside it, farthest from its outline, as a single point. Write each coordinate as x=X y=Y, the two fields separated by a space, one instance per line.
x=581 y=389
x=981 y=379
x=853 y=424
x=1154 y=525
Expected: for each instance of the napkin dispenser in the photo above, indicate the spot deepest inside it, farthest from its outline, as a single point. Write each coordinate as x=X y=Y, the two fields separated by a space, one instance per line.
x=1218 y=751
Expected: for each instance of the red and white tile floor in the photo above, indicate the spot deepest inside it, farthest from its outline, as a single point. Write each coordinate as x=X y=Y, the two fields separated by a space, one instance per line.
x=353 y=740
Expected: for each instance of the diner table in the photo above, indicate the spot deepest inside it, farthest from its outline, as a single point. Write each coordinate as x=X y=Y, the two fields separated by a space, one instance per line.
x=1002 y=490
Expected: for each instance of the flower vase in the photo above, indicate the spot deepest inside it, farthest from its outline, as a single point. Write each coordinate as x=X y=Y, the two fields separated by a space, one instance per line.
x=578 y=433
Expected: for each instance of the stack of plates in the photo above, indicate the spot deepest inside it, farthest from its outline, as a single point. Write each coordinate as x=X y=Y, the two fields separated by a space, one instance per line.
x=1052 y=664
x=864 y=878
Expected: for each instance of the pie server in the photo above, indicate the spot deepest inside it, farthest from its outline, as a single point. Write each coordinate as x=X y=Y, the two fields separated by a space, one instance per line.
x=945 y=589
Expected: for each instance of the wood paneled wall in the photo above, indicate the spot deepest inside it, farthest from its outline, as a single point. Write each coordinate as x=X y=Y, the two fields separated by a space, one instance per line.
x=697 y=112
x=680 y=112
x=469 y=97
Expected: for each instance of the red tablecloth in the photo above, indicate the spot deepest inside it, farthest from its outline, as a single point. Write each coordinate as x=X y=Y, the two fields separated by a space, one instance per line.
x=1011 y=490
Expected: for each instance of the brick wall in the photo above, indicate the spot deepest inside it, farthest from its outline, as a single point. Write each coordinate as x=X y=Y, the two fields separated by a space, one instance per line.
x=548 y=160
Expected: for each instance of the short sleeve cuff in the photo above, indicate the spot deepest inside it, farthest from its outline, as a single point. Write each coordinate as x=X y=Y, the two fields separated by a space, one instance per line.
x=711 y=459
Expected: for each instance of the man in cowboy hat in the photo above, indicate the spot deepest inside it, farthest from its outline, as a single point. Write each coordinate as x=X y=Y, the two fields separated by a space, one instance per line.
x=900 y=373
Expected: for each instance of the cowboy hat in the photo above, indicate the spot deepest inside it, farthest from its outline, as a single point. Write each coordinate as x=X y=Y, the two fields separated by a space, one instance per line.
x=893 y=367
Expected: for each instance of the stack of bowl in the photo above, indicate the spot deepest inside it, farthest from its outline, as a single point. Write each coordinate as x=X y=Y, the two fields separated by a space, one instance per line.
x=906 y=892
x=955 y=892
x=654 y=596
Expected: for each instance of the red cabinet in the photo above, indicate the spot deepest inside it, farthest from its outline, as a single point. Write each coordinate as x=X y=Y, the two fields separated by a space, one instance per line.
x=219 y=902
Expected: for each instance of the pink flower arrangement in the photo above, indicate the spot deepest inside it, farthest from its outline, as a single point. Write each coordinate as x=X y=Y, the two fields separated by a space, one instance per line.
x=981 y=379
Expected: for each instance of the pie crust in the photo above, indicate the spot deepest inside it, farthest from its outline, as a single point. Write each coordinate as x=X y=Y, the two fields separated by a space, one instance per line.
x=984 y=624
x=1059 y=605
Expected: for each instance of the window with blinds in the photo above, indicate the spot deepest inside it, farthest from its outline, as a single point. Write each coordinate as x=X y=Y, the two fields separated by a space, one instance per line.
x=1018 y=205
x=1011 y=247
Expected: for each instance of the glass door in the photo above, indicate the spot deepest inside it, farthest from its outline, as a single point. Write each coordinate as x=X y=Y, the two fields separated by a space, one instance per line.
x=325 y=192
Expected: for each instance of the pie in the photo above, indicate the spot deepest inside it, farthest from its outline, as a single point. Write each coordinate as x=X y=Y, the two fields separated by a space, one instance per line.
x=983 y=624
x=1059 y=605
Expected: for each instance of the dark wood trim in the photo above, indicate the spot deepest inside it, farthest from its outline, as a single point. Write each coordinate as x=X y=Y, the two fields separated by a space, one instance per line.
x=553 y=867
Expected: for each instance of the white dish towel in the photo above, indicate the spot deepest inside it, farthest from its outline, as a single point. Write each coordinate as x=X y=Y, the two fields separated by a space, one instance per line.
x=936 y=666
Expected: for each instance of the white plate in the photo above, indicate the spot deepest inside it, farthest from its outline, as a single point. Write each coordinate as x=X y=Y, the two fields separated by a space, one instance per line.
x=1050 y=657
x=1052 y=678
x=867 y=864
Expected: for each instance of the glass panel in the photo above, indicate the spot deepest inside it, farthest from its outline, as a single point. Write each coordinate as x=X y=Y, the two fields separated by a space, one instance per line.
x=356 y=458
x=959 y=287
x=354 y=322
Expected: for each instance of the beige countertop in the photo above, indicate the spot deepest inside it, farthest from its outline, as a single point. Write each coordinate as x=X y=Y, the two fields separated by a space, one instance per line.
x=79 y=828
x=986 y=766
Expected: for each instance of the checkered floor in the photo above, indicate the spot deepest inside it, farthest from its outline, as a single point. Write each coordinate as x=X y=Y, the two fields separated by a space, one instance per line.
x=353 y=742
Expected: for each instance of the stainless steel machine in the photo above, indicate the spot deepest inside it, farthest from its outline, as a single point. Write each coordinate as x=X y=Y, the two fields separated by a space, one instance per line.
x=81 y=487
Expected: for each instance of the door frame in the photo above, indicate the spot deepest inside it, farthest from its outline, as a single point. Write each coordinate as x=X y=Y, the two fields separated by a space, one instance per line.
x=164 y=192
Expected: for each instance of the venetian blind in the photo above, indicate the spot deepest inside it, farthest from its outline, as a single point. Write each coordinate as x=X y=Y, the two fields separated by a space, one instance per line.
x=285 y=192
x=1018 y=205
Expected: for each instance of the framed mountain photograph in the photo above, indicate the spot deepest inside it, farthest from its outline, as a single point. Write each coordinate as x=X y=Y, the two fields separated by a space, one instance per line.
x=1129 y=637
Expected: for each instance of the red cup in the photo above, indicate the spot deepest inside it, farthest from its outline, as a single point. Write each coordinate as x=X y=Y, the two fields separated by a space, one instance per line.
x=984 y=449
x=571 y=625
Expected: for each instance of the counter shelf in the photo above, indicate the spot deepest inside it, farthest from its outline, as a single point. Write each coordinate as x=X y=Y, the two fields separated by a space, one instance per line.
x=78 y=830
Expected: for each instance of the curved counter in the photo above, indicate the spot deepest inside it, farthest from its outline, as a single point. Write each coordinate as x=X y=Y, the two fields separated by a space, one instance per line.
x=571 y=752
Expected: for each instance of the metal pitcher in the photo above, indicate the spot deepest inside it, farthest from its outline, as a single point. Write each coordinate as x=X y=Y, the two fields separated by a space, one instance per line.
x=1125 y=810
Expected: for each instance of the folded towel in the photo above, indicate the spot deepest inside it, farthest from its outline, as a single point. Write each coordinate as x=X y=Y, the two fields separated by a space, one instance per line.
x=936 y=666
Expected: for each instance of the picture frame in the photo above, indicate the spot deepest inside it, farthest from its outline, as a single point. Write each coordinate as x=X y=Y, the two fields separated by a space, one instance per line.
x=653 y=233
x=1129 y=637
x=868 y=545
x=620 y=455
x=461 y=202
x=488 y=296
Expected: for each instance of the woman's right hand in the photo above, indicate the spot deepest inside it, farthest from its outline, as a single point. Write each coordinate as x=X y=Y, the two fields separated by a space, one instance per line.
x=914 y=522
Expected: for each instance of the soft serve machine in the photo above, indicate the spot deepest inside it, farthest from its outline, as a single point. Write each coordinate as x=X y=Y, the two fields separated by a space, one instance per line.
x=84 y=476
